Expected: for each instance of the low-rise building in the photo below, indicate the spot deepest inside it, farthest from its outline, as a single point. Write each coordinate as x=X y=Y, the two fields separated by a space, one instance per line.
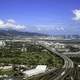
x=59 y=45
x=39 y=69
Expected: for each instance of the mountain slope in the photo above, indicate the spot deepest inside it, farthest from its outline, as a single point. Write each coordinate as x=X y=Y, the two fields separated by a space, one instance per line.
x=19 y=33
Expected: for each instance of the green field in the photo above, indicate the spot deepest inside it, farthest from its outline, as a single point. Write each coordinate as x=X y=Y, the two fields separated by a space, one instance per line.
x=34 y=55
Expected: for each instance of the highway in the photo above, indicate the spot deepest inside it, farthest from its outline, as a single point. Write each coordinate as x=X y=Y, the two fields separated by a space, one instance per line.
x=61 y=73
x=72 y=54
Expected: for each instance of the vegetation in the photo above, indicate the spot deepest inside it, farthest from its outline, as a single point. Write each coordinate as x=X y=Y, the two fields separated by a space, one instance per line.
x=28 y=54
x=6 y=72
x=34 y=55
x=76 y=60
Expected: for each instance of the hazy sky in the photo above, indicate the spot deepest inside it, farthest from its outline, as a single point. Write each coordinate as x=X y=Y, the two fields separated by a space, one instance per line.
x=46 y=16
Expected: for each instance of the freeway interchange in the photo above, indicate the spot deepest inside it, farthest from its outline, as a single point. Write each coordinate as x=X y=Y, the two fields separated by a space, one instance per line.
x=61 y=73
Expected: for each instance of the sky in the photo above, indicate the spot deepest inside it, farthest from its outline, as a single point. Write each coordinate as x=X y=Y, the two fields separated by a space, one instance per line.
x=43 y=16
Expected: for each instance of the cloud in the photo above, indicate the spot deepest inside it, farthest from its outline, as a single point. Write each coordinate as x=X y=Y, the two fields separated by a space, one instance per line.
x=11 y=24
x=50 y=27
x=60 y=29
x=76 y=12
x=1 y=22
x=11 y=20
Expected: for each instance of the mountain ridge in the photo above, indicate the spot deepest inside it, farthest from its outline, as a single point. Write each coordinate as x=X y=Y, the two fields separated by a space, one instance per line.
x=19 y=33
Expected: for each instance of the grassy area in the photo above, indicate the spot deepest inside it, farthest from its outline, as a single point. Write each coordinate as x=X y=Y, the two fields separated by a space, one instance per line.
x=33 y=58
x=76 y=59
x=6 y=72
x=34 y=55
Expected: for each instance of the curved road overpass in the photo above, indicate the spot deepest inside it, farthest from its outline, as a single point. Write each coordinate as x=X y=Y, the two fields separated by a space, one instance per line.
x=59 y=74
